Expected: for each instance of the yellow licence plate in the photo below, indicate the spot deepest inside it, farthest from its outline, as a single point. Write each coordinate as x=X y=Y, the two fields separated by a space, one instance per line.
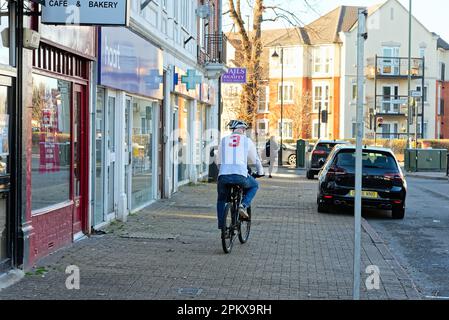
x=366 y=194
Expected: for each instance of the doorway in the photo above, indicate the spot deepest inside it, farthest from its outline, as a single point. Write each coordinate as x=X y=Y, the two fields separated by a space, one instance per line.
x=5 y=216
x=111 y=167
x=79 y=185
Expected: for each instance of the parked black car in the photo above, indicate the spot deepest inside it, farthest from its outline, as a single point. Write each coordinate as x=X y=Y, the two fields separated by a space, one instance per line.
x=318 y=156
x=384 y=185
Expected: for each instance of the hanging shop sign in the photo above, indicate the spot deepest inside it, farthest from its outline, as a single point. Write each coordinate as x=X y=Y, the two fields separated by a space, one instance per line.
x=234 y=75
x=86 y=12
x=130 y=63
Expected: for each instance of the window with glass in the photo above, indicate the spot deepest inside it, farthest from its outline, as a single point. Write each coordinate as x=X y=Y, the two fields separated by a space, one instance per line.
x=4 y=32
x=51 y=142
x=142 y=153
x=287 y=128
x=264 y=98
x=4 y=170
x=424 y=94
x=99 y=157
x=183 y=136
x=288 y=92
x=321 y=59
x=262 y=127
x=321 y=97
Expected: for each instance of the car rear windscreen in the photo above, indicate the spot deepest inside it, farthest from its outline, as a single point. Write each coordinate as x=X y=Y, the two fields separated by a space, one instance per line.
x=325 y=147
x=371 y=160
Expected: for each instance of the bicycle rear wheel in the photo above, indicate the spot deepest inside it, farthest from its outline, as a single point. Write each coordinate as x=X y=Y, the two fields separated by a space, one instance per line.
x=245 y=228
x=228 y=232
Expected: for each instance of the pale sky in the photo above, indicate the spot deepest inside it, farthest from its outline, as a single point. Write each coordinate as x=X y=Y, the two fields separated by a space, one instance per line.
x=433 y=14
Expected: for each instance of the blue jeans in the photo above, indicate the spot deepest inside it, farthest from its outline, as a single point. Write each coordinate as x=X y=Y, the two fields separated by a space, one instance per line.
x=249 y=185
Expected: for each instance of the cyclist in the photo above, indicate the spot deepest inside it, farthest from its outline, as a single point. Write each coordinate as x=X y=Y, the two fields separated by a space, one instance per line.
x=235 y=152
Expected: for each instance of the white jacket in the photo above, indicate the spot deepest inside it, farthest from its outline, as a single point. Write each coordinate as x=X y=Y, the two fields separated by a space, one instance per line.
x=235 y=152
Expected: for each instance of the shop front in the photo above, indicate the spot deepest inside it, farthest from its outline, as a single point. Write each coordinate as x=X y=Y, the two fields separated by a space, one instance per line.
x=192 y=136
x=8 y=75
x=57 y=121
x=127 y=128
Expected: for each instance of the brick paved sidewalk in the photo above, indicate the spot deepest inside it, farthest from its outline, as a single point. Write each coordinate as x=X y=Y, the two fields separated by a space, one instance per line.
x=172 y=250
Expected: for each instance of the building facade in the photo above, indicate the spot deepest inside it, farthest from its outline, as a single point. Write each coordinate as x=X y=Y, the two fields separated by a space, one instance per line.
x=10 y=154
x=386 y=82
x=152 y=129
x=310 y=76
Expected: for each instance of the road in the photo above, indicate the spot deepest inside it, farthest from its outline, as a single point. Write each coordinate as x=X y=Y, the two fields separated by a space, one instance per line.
x=421 y=241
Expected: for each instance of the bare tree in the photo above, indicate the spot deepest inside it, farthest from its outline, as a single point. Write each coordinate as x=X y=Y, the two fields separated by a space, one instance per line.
x=299 y=113
x=251 y=47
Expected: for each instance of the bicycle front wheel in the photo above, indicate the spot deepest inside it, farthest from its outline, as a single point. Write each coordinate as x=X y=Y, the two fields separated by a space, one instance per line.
x=228 y=232
x=245 y=228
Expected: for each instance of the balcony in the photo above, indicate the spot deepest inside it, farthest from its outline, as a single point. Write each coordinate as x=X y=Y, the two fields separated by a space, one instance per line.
x=213 y=56
x=394 y=67
x=391 y=106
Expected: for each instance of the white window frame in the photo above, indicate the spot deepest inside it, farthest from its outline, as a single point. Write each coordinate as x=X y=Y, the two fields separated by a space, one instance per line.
x=426 y=127
x=392 y=134
x=321 y=64
x=285 y=135
x=325 y=100
x=391 y=62
x=285 y=85
x=315 y=132
x=267 y=102
x=393 y=108
x=267 y=127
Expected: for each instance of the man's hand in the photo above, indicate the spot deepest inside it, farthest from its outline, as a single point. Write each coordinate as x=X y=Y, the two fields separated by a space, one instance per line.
x=257 y=175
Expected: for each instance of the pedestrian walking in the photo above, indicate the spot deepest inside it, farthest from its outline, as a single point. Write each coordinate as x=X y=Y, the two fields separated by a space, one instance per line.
x=271 y=152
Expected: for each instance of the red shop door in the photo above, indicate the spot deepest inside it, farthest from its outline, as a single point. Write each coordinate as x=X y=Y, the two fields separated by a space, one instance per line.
x=80 y=152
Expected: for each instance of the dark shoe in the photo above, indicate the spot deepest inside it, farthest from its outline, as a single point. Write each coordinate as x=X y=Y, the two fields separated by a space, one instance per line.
x=243 y=213
x=270 y=176
x=225 y=234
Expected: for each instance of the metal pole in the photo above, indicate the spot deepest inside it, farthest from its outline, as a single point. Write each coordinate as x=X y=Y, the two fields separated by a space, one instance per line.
x=359 y=150
x=422 y=99
x=409 y=71
x=415 y=107
x=282 y=108
x=375 y=100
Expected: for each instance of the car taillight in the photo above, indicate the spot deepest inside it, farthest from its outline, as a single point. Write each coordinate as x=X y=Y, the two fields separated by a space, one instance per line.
x=336 y=171
x=395 y=177
x=319 y=153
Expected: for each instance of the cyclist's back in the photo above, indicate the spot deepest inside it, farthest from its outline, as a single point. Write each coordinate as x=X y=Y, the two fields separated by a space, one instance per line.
x=234 y=154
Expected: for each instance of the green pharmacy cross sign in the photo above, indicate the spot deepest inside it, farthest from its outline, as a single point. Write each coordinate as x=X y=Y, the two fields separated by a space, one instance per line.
x=191 y=79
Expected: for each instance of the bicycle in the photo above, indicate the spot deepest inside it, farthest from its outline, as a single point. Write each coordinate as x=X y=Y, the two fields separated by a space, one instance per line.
x=234 y=225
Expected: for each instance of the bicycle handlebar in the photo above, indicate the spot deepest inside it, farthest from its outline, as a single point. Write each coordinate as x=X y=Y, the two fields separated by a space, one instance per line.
x=257 y=176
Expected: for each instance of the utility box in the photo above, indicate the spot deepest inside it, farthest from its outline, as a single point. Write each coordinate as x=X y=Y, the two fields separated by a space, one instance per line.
x=300 y=154
x=430 y=160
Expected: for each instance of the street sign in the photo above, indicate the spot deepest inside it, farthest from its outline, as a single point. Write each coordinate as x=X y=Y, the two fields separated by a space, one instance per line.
x=416 y=94
x=90 y=13
x=234 y=75
x=399 y=101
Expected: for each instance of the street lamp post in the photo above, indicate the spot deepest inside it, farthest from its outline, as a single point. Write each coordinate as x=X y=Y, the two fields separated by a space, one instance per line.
x=409 y=77
x=276 y=55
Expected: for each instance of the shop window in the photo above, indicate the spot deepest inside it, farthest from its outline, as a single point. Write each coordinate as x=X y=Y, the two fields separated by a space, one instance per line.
x=142 y=145
x=4 y=27
x=51 y=142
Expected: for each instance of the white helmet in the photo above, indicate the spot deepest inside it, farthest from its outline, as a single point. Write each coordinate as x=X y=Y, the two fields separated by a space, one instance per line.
x=237 y=124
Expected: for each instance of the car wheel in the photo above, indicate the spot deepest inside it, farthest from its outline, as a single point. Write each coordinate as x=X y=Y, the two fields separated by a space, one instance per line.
x=310 y=175
x=398 y=213
x=292 y=160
